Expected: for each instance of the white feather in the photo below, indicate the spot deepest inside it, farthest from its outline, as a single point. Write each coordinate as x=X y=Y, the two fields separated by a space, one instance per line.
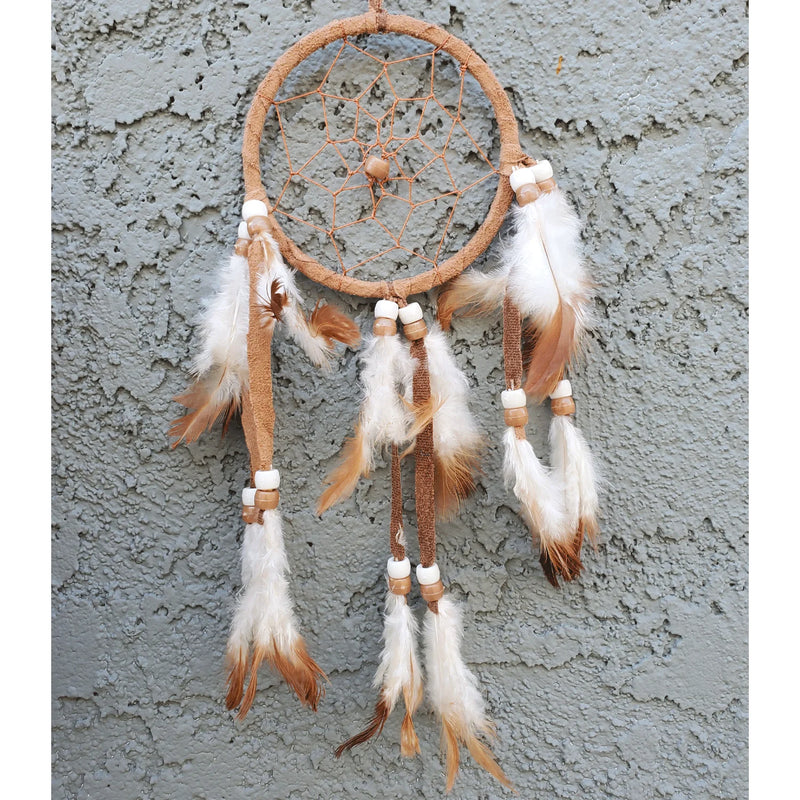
x=572 y=460
x=454 y=427
x=452 y=688
x=399 y=667
x=223 y=330
x=536 y=488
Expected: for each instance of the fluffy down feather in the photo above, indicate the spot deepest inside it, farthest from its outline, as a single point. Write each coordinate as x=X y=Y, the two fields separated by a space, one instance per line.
x=265 y=618
x=472 y=293
x=453 y=693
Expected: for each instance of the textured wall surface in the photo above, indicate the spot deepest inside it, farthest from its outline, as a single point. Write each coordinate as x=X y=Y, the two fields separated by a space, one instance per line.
x=628 y=683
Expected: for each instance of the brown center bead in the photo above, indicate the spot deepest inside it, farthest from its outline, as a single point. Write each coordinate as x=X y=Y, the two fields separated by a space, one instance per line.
x=267 y=499
x=547 y=185
x=249 y=515
x=431 y=592
x=377 y=168
x=516 y=417
x=257 y=225
x=383 y=326
x=562 y=406
x=241 y=246
x=400 y=585
x=415 y=330
x=527 y=194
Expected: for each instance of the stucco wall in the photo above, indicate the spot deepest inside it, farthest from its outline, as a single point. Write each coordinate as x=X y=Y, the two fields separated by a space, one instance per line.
x=628 y=683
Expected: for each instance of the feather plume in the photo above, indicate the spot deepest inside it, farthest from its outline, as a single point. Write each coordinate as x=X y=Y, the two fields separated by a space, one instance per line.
x=384 y=419
x=398 y=673
x=572 y=461
x=454 y=695
x=539 y=492
x=220 y=367
x=457 y=440
x=473 y=293
x=548 y=283
x=317 y=334
x=265 y=619
x=272 y=306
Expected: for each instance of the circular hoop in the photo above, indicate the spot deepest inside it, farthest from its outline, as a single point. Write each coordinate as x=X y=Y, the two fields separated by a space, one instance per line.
x=511 y=154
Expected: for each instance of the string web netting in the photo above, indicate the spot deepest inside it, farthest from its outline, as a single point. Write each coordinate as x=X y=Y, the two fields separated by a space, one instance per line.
x=395 y=98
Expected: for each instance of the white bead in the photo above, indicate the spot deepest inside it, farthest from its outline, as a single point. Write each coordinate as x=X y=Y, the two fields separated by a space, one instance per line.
x=513 y=398
x=522 y=177
x=386 y=309
x=242 y=232
x=248 y=497
x=542 y=170
x=410 y=313
x=398 y=569
x=427 y=575
x=254 y=208
x=268 y=479
x=563 y=389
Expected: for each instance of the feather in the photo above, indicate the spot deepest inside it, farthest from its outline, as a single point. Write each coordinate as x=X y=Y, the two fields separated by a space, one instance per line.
x=220 y=367
x=572 y=460
x=265 y=619
x=315 y=336
x=548 y=282
x=272 y=306
x=539 y=493
x=454 y=695
x=457 y=440
x=398 y=673
x=472 y=293
x=384 y=419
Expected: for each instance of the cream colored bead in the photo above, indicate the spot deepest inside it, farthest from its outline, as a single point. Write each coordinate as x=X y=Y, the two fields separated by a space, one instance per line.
x=254 y=208
x=514 y=398
x=427 y=575
x=542 y=170
x=563 y=389
x=242 y=232
x=398 y=569
x=387 y=309
x=521 y=177
x=248 y=497
x=410 y=313
x=268 y=479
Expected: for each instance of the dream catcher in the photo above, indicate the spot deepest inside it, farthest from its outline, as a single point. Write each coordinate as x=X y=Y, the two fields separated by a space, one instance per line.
x=392 y=129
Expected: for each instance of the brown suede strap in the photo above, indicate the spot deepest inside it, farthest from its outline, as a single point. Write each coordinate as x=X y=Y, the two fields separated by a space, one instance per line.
x=424 y=463
x=259 y=362
x=249 y=425
x=512 y=344
x=396 y=522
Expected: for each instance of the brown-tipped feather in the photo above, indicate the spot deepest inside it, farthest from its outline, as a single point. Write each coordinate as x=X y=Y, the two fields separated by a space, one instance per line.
x=272 y=306
x=333 y=325
x=345 y=476
x=423 y=414
x=205 y=409
x=237 y=669
x=301 y=672
x=374 y=727
x=554 y=347
x=454 y=480
x=483 y=757
x=250 y=694
x=560 y=561
x=412 y=696
x=589 y=527
x=469 y=293
x=450 y=743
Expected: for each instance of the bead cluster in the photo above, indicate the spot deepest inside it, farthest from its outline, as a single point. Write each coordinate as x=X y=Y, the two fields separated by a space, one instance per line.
x=413 y=324
x=264 y=496
x=385 y=318
x=561 y=402
x=530 y=182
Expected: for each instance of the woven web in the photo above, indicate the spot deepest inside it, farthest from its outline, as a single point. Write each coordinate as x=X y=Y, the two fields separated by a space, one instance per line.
x=417 y=108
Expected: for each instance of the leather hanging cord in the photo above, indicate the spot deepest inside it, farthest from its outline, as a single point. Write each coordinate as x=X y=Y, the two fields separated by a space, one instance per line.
x=259 y=361
x=396 y=522
x=512 y=350
x=249 y=425
x=424 y=465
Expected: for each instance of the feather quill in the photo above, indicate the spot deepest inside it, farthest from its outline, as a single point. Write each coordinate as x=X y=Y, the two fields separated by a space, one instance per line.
x=549 y=284
x=398 y=674
x=265 y=620
x=454 y=695
x=220 y=367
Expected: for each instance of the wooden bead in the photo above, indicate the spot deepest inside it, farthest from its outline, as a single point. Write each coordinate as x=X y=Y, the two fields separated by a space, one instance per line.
x=241 y=247
x=562 y=406
x=516 y=417
x=250 y=514
x=257 y=225
x=384 y=327
x=431 y=592
x=415 y=330
x=547 y=185
x=400 y=585
x=527 y=194
x=377 y=168
x=267 y=499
